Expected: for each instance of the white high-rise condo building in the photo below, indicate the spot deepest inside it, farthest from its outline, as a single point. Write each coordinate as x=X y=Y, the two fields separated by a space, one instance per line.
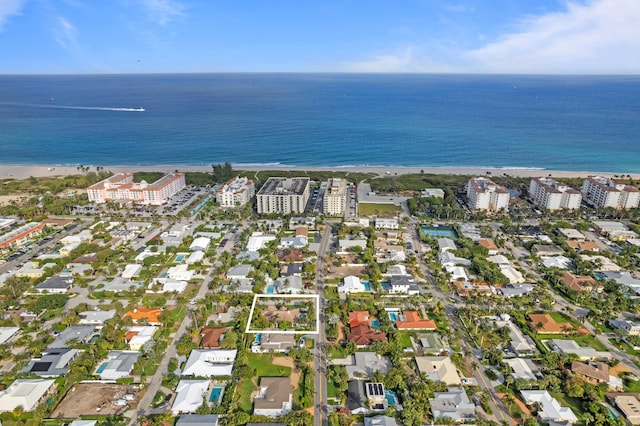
x=602 y=192
x=335 y=197
x=553 y=195
x=121 y=188
x=236 y=192
x=485 y=194
x=283 y=195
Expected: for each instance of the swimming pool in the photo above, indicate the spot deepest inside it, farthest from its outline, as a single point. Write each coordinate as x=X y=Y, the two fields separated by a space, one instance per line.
x=375 y=323
x=216 y=392
x=102 y=367
x=366 y=285
x=180 y=258
x=270 y=289
x=393 y=316
x=391 y=397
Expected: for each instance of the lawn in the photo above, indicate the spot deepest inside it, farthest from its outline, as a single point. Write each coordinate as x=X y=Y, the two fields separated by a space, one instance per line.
x=264 y=366
x=371 y=209
x=561 y=318
x=567 y=401
x=632 y=386
x=332 y=390
x=405 y=339
x=336 y=351
x=244 y=390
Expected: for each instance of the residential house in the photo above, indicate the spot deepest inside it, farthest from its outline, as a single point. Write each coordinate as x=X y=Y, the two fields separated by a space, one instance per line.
x=79 y=334
x=520 y=344
x=549 y=409
x=137 y=336
x=197 y=420
x=380 y=421
x=95 y=317
x=53 y=362
x=211 y=337
x=119 y=364
x=55 y=285
x=293 y=242
x=278 y=343
x=571 y=234
x=629 y=405
x=189 y=396
x=131 y=271
x=274 y=398
x=515 y=290
x=453 y=404
x=239 y=272
x=583 y=245
x=566 y=346
x=200 y=244
x=403 y=284
x=593 y=372
x=491 y=246
x=291 y=269
x=431 y=343
x=386 y=223
x=351 y=284
x=547 y=250
x=210 y=362
x=180 y=272
x=448 y=259
x=446 y=244
x=580 y=283
x=438 y=369
x=143 y=314
x=25 y=393
x=410 y=320
x=288 y=285
x=362 y=365
x=7 y=333
x=523 y=369
x=560 y=262
x=631 y=328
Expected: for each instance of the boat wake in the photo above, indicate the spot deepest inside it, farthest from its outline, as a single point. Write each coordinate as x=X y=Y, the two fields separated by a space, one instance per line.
x=88 y=108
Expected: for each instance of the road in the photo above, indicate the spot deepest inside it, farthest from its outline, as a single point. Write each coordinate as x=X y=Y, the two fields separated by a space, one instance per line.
x=320 y=358
x=144 y=407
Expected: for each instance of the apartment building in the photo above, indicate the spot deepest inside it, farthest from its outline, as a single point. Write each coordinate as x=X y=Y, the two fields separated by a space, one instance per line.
x=485 y=194
x=236 y=192
x=335 y=197
x=602 y=192
x=553 y=195
x=121 y=188
x=283 y=195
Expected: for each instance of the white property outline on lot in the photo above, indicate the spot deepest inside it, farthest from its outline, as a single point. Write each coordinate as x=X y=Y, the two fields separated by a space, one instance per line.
x=284 y=296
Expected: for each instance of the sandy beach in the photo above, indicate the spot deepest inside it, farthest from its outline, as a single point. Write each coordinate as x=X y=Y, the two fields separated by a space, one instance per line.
x=22 y=171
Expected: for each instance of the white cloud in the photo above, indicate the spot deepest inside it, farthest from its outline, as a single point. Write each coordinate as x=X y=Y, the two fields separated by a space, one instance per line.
x=594 y=36
x=163 y=11
x=9 y=8
x=65 y=34
x=405 y=60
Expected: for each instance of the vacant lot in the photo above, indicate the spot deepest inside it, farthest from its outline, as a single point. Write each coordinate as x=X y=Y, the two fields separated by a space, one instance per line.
x=345 y=271
x=95 y=399
x=371 y=209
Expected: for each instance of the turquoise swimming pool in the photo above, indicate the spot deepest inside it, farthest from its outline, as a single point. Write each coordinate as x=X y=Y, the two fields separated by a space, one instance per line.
x=216 y=392
x=102 y=367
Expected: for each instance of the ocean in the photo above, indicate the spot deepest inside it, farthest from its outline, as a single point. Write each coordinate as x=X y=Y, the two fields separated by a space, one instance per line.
x=573 y=123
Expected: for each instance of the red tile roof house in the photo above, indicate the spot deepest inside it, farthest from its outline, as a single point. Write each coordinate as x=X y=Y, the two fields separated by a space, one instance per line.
x=581 y=283
x=211 y=337
x=361 y=333
x=414 y=322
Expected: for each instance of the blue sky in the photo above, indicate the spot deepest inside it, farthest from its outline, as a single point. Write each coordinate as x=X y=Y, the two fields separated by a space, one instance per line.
x=470 y=36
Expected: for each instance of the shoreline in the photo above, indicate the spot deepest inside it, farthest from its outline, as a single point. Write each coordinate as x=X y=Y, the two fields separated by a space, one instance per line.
x=24 y=171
